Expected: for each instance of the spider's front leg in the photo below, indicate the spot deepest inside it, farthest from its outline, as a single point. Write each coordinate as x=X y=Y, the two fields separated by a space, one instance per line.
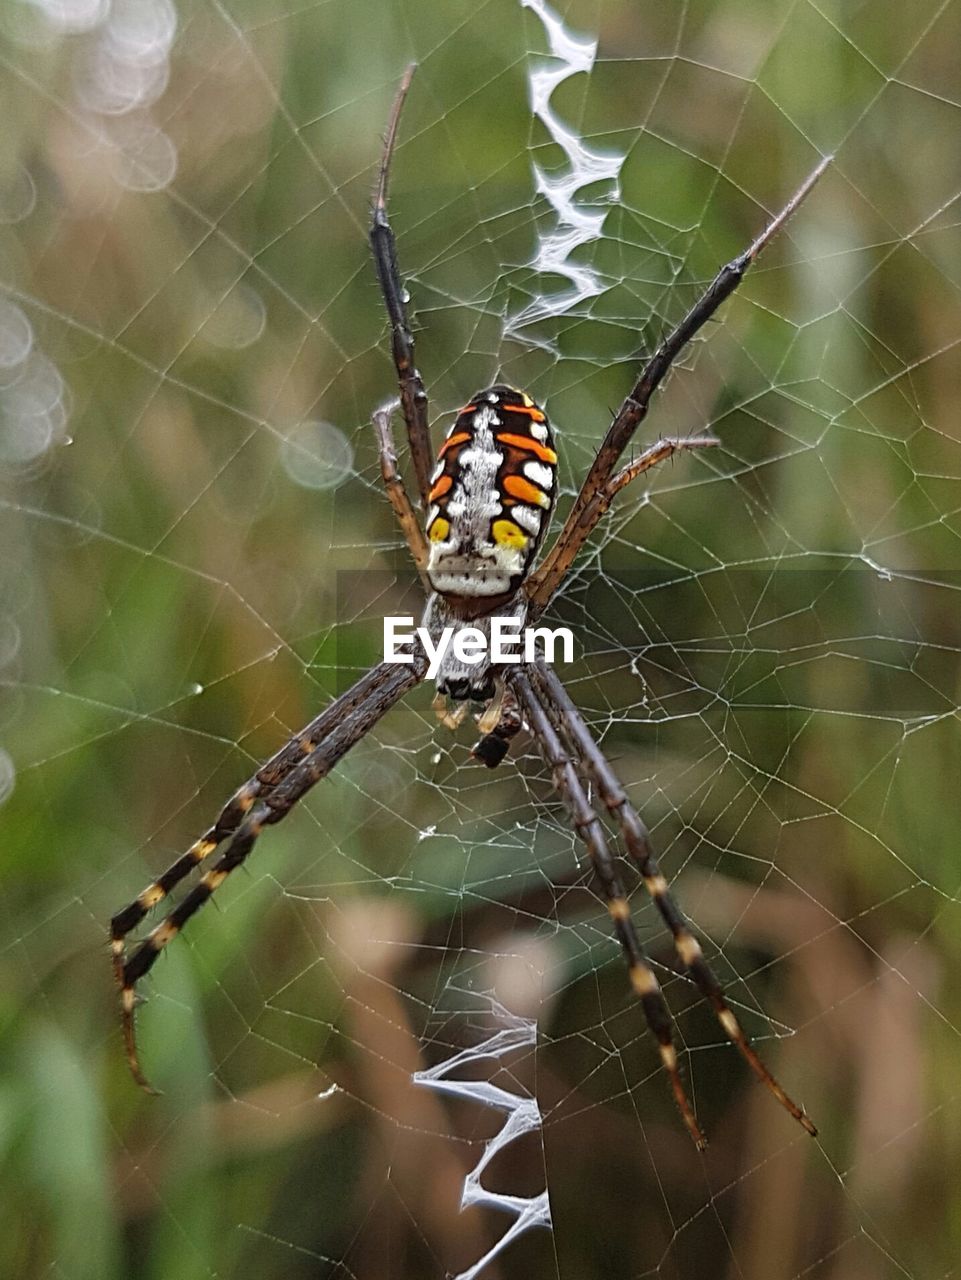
x=590 y=831
x=568 y=721
x=236 y=809
x=262 y=801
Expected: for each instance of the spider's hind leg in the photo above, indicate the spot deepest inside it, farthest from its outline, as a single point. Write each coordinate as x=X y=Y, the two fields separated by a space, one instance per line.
x=413 y=397
x=397 y=494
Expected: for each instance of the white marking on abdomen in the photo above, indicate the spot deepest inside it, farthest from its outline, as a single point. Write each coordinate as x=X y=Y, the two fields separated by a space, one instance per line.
x=473 y=503
x=540 y=474
x=529 y=518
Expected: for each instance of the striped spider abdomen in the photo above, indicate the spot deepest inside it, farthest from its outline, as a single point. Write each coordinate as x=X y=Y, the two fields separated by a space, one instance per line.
x=491 y=497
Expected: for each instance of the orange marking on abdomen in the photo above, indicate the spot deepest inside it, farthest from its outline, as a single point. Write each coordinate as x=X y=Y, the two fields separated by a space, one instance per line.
x=520 y=488
x=529 y=409
x=530 y=446
x=452 y=441
x=440 y=488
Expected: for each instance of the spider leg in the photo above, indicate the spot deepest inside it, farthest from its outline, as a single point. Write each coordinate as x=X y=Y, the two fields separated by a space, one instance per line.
x=413 y=397
x=635 y=406
x=566 y=717
x=498 y=732
x=268 y=797
x=589 y=829
x=542 y=584
x=397 y=493
x=236 y=808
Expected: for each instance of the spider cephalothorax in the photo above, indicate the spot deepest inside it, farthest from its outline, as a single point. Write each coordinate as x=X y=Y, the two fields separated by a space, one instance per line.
x=488 y=500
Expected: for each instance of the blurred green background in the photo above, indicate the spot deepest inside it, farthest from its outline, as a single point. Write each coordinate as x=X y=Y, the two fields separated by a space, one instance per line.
x=191 y=344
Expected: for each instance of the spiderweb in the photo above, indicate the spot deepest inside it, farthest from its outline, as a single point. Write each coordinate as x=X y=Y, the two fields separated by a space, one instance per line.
x=405 y=1043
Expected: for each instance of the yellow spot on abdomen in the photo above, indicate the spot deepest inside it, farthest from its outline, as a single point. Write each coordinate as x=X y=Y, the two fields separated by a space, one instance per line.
x=528 y=406
x=439 y=530
x=508 y=534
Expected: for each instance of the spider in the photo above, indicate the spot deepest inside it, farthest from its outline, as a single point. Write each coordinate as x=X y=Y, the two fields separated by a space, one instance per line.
x=488 y=499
